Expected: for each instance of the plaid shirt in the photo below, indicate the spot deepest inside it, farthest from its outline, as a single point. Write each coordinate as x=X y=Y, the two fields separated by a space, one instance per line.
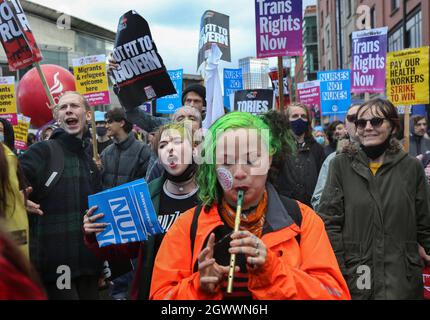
x=56 y=238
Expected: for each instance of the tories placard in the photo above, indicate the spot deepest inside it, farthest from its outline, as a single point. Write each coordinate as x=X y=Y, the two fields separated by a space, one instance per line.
x=169 y=104
x=278 y=28
x=408 y=76
x=335 y=88
x=141 y=75
x=256 y=101
x=128 y=213
x=16 y=36
x=8 y=100
x=233 y=81
x=214 y=29
x=91 y=79
x=369 y=50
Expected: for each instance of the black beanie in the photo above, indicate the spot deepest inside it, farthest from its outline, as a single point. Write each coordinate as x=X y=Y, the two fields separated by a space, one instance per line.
x=197 y=88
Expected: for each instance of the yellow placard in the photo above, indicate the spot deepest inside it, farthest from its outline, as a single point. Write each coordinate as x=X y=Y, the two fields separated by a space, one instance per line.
x=408 y=76
x=91 y=78
x=7 y=95
x=21 y=132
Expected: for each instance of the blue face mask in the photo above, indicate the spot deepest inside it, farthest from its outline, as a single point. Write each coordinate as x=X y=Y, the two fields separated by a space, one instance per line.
x=299 y=126
x=1 y=137
x=320 y=140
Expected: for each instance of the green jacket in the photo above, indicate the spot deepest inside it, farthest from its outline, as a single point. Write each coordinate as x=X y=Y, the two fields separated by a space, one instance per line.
x=376 y=222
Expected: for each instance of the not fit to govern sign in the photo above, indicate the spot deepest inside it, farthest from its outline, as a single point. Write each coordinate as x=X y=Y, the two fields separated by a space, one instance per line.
x=335 y=88
x=91 y=79
x=278 y=28
x=408 y=76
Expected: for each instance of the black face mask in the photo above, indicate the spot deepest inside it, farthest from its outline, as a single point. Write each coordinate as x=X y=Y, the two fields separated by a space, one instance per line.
x=185 y=176
x=374 y=152
x=101 y=131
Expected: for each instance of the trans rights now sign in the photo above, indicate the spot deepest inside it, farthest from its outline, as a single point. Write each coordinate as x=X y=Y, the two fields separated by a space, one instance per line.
x=369 y=50
x=278 y=28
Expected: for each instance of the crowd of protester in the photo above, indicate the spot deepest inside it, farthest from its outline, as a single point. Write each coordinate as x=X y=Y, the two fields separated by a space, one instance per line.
x=334 y=211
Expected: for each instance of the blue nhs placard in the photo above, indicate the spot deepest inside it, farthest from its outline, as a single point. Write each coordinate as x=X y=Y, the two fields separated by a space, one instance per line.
x=232 y=83
x=335 y=89
x=169 y=104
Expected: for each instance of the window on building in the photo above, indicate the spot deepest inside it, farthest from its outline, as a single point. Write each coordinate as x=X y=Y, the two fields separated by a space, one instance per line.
x=395 y=40
x=327 y=32
x=395 y=4
x=327 y=8
x=87 y=45
x=350 y=45
x=59 y=58
x=373 y=17
x=413 y=31
x=349 y=8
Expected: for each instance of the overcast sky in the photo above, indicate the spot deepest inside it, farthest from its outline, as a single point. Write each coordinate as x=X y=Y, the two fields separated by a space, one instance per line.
x=174 y=24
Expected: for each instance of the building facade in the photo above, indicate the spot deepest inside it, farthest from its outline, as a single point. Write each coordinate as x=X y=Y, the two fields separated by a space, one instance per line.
x=61 y=39
x=310 y=44
x=337 y=20
x=255 y=73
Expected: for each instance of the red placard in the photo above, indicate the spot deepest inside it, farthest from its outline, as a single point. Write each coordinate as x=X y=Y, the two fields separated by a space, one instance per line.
x=16 y=36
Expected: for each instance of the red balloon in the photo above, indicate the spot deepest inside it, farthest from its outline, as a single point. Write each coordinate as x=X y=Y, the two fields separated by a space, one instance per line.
x=32 y=98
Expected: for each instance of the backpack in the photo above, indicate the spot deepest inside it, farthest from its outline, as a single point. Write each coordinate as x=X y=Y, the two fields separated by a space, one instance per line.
x=290 y=205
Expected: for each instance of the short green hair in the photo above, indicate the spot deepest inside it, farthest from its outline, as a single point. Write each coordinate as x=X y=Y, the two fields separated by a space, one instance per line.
x=209 y=189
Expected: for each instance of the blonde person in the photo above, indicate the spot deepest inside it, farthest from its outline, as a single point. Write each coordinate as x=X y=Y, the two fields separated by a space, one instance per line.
x=171 y=194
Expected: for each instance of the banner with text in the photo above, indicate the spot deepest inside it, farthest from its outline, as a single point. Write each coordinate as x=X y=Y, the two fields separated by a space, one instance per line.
x=256 y=101
x=169 y=104
x=214 y=29
x=21 y=132
x=335 y=89
x=233 y=81
x=16 y=36
x=8 y=100
x=279 y=28
x=369 y=50
x=128 y=213
x=91 y=79
x=408 y=76
x=308 y=93
x=141 y=75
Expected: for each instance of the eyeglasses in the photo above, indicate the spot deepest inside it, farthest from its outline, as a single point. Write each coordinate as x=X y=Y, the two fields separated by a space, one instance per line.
x=351 y=118
x=375 y=122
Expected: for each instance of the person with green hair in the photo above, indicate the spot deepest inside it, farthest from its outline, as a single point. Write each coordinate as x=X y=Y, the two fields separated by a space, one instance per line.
x=282 y=250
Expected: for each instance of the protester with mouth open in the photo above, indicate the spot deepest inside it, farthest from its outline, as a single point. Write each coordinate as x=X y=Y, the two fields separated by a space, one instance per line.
x=172 y=194
x=56 y=238
x=283 y=251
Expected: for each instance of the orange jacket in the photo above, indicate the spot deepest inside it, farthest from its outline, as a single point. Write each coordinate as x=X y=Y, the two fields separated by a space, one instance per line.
x=308 y=271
